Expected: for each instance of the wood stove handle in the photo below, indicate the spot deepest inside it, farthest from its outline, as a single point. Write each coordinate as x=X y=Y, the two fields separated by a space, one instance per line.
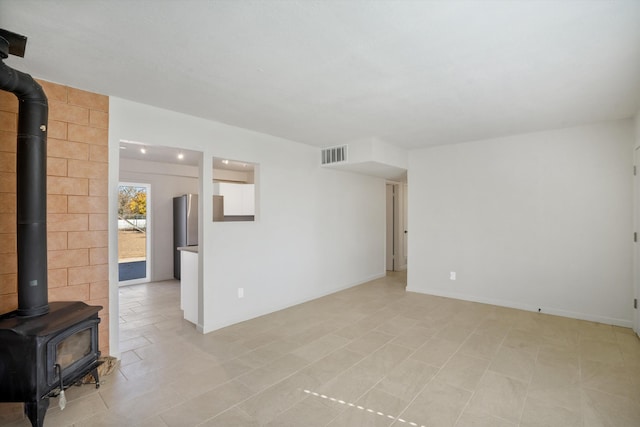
x=62 y=402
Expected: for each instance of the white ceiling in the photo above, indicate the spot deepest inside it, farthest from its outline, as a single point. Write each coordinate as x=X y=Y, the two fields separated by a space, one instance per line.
x=411 y=73
x=160 y=154
x=155 y=153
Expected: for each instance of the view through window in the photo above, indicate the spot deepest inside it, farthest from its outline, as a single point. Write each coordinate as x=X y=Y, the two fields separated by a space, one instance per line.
x=132 y=232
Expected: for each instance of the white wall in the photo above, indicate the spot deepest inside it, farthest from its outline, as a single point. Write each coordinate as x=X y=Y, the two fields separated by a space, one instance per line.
x=316 y=230
x=166 y=181
x=532 y=221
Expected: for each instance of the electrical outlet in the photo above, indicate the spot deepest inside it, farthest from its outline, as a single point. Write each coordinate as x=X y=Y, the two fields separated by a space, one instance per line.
x=452 y=275
x=240 y=292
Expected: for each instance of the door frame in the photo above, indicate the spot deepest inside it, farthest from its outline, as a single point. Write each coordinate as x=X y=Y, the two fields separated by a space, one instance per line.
x=399 y=224
x=636 y=246
x=148 y=222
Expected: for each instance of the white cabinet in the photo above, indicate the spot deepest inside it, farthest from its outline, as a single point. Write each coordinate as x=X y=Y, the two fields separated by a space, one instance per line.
x=239 y=199
x=189 y=284
x=248 y=199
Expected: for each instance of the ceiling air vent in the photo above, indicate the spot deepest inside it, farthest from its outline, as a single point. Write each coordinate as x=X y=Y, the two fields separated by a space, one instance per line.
x=334 y=155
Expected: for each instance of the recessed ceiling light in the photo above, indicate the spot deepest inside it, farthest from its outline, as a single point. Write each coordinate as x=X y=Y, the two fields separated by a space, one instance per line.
x=122 y=147
x=143 y=150
x=226 y=162
x=180 y=156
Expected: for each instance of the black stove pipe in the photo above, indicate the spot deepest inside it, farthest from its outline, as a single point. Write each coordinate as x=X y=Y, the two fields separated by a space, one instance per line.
x=31 y=183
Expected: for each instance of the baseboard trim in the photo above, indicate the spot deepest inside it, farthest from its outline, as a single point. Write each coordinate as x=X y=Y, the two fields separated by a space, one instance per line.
x=512 y=304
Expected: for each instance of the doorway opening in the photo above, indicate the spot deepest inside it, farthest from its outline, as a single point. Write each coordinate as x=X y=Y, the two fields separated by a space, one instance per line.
x=636 y=275
x=133 y=237
x=396 y=223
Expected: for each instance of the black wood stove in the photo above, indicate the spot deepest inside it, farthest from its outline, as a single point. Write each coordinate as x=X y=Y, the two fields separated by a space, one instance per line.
x=44 y=348
x=42 y=356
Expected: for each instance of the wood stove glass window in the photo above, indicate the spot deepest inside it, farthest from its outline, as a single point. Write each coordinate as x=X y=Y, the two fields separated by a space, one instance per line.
x=73 y=348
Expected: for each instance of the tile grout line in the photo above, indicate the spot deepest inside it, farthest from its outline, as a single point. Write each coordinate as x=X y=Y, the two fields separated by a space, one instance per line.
x=473 y=392
x=283 y=379
x=526 y=395
x=408 y=357
x=435 y=374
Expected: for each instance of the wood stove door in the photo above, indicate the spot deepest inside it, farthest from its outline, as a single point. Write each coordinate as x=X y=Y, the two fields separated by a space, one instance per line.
x=74 y=350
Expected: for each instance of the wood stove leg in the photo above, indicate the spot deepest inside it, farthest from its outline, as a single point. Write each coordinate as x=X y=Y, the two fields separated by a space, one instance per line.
x=94 y=374
x=36 y=411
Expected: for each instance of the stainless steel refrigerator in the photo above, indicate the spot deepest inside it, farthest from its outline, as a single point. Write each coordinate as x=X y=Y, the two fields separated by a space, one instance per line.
x=185 y=226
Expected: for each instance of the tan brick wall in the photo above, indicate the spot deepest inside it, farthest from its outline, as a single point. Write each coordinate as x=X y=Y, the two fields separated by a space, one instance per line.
x=77 y=180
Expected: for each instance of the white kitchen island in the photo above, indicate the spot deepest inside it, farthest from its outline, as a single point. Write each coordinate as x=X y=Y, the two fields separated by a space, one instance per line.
x=189 y=282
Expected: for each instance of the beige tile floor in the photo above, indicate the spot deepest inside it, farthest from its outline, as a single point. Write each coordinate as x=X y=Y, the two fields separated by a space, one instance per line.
x=372 y=355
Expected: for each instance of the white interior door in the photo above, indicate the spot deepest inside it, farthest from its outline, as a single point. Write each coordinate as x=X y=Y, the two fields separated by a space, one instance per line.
x=636 y=255
x=405 y=225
